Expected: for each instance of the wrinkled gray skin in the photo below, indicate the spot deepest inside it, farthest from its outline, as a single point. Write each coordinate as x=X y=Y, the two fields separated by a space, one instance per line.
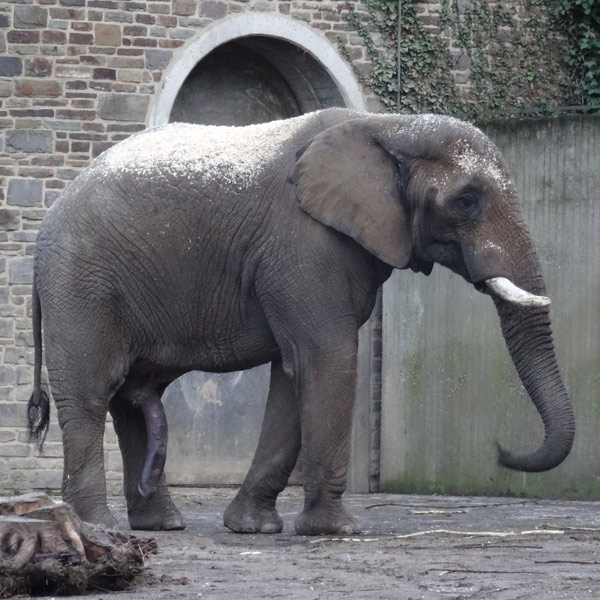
x=272 y=250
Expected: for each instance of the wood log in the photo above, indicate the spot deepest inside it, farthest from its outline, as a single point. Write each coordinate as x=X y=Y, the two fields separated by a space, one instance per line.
x=18 y=505
x=50 y=550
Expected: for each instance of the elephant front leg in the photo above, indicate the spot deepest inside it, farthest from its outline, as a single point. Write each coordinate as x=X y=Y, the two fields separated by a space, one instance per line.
x=158 y=512
x=326 y=387
x=253 y=509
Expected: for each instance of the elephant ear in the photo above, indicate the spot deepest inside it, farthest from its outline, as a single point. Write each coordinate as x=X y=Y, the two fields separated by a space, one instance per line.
x=347 y=181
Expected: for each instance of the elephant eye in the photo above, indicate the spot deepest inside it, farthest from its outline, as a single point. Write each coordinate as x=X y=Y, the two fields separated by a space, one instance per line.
x=467 y=204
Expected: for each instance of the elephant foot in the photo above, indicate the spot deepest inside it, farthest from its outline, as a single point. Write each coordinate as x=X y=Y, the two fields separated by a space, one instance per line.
x=156 y=515
x=321 y=521
x=246 y=514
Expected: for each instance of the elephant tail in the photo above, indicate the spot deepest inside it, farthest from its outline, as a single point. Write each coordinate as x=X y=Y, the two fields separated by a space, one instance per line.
x=38 y=408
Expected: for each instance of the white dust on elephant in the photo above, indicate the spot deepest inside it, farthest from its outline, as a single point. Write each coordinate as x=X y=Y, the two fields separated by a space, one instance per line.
x=234 y=155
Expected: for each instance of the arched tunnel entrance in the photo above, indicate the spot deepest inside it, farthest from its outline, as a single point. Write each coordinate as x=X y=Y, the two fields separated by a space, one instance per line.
x=254 y=80
x=215 y=419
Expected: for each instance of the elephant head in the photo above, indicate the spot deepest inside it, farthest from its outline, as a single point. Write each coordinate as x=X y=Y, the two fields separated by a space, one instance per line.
x=416 y=190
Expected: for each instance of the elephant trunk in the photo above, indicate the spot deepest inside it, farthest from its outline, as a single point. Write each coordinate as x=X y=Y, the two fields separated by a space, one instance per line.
x=529 y=340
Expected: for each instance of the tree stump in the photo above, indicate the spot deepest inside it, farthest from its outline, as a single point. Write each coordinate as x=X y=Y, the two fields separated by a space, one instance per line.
x=45 y=548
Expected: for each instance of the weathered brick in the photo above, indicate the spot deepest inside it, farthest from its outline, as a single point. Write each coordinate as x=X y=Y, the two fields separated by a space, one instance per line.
x=73 y=71
x=134 y=6
x=4 y=20
x=7 y=436
x=213 y=9
x=158 y=59
x=7 y=328
x=38 y=67
x=80 y=115
x=10 y=220
x=23 y=37
x=82 y=26
x=24 y=192
x=99 y=147
x=166 y=21
x=130 y=75
x=14 y=450
x=36 y=88
x=83 y=103
x=31 y=141
x=106 y=34
x=184 y=7
x=13 y=414
x=124 y=88
x=110 y=74
x=39 y=480
x=10 y=66
x=81 y=38
x=116 y=107
x=146 y=19
x=144 y=42
x=118 y=16
x=181 y=34
x=135 y=30
x=30 y=17
x=170 y=43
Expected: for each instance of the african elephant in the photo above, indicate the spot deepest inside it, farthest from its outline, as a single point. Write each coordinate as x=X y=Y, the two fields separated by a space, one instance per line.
x=212 y=248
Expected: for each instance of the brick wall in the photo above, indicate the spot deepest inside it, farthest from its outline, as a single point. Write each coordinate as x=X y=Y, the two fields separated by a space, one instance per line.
x=77 y=76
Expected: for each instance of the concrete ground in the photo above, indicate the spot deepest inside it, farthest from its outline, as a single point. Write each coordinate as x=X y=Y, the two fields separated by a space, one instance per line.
x=413 y=547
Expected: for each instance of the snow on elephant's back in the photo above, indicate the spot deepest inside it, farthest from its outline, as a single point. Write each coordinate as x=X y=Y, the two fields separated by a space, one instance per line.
x=185 y=150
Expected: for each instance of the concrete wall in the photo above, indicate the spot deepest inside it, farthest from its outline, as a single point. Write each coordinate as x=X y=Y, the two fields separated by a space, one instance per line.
x=449 y=386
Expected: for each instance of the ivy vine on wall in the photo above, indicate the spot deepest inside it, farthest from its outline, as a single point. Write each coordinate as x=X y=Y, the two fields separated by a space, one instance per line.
x=480 y=58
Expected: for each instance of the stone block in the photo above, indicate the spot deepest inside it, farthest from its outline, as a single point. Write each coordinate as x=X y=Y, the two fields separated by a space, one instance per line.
x=8 y=376
x=115 y=107
x=10 y=66
x=7 y=328
x=20 y=270
x=44 y=480
x=23 y=37
x=158 y=59
x=24 y=375
x=24 y=192
x=212 y=9
x=184 y=7
x=107 y=34
x=35 y=88
x=7 y=436
x=6 y=89
x=14 y=450
x=29 y=141
x=10 y=220
x=73 y=72
x=38 y=67
x=30 y=17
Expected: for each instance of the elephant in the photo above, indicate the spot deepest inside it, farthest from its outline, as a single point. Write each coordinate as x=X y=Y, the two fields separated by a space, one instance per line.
x=189 y=247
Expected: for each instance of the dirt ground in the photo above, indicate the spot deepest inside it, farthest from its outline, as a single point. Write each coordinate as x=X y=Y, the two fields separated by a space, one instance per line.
x=413 y=547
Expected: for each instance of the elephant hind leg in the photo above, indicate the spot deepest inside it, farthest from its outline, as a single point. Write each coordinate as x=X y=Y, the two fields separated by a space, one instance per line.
x=253 y=509
x=81 y=396
x=157 y=512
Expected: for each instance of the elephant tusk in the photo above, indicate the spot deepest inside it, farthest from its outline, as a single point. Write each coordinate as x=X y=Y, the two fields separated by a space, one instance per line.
x=508 y=291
